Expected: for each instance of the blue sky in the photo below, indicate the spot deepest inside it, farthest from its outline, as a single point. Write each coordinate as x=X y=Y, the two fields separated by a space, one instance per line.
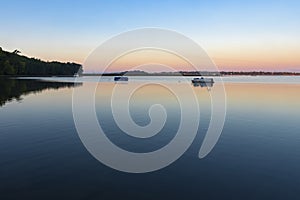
x=236 y=34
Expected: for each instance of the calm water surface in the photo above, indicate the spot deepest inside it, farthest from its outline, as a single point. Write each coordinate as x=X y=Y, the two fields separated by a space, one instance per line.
x=256 y=157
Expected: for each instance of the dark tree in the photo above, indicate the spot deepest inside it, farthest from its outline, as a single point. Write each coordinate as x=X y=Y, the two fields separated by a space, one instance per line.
x=16 y=51
x=13 y=64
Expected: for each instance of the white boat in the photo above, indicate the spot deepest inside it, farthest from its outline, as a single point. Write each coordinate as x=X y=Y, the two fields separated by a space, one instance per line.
x=203 y=80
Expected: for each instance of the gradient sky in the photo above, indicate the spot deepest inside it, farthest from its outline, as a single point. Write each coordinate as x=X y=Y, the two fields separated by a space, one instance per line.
x=237 y=35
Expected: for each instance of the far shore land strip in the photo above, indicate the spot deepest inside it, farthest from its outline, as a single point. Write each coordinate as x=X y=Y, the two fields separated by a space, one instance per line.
x=195 y=73
x=181 y=73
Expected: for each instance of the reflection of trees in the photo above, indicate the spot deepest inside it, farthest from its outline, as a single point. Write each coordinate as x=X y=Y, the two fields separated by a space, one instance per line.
x=14 y=89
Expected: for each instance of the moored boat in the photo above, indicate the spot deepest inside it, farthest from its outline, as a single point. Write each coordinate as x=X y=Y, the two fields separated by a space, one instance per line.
x=203 y=80
x=120 y=78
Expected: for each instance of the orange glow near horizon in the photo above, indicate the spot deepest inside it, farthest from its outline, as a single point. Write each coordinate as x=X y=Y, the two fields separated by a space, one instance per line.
x=243 y=60
x=227 y=58
x=256 y=55
x=150 y=60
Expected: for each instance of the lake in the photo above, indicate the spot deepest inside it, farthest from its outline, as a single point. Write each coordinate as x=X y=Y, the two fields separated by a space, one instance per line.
x=256 y=157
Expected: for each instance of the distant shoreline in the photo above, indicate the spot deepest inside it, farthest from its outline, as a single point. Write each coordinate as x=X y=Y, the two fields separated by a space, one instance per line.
x=217 y=74
x=149 y=75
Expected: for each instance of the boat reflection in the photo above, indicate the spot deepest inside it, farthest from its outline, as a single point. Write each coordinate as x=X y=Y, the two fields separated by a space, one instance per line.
x=207 y=85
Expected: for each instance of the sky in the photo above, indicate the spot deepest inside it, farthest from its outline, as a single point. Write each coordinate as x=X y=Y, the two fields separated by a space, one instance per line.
x=237 y=35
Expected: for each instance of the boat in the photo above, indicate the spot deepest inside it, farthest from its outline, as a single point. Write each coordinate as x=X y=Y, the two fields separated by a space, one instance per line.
x=206 y=84
x=120 y=78
x=203 y=80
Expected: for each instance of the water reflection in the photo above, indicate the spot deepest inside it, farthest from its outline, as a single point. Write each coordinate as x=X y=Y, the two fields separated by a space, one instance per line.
x=257 y=156
x=14 y=89
x=207 y=85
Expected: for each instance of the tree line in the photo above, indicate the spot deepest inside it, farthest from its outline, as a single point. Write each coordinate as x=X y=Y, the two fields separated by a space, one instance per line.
x=13 y=64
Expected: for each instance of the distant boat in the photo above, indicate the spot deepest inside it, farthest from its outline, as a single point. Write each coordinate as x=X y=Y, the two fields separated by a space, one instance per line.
x=121 y=78
x=203 y=80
